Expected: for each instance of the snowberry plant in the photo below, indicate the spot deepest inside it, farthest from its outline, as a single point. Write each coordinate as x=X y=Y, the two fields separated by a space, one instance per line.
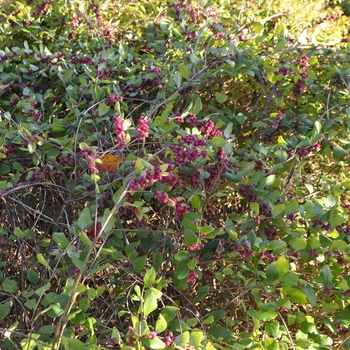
x=174 y=175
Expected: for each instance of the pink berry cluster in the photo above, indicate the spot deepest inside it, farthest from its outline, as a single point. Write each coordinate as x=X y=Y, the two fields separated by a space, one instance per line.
x=169 y=339
x=277 y=122
x=195 y=247
x=192 y=277
x=162 y=196
x=188 y=149
x=207 y=127
x=246 y=192
x=89 y=157
x=94 y=231
x=112 y=99
x=270 y=257
x=119 y=130
x=142 y=129
x=132 y=336
x=271 y=233
x=306 y=150
x=244 y=253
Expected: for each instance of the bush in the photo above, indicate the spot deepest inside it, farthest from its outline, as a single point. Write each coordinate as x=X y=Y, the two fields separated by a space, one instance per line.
x=173 y=175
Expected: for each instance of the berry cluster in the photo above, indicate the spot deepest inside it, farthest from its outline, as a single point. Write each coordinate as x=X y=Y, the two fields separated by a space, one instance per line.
x=169 y=339
x=207 y=127
x=244 y=253
x=192 y=277
x=142 y=129
x=119 y=130
x=94 y=231
x=112 y=99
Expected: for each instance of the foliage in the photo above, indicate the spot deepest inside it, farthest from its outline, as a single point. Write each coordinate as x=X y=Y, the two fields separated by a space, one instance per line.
x=226 y=225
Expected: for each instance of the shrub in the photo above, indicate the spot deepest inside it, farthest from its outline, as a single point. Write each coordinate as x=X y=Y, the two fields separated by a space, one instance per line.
x=173 y=175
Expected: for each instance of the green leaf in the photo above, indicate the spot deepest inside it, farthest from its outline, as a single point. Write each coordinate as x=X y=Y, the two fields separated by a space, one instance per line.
x=150 y=277
x=103 y=109
x=267 y=315
x=278 y=210
x=219 y=332
x=189 y=225
x=218 y=141
x=196 y=337
x=271 y=344
x=272 y=273
x=311 y=295
x=272 y=328
x=161 y=324
x=32 y=276
x=177 y=78
x=60 y=239
x=10 y=286
x=291 y=207
x=4 y=310
x=72 y=344
x=298 y=244
x=221 y=98
x=47 y=329
x=40 y=291
x=30 y=304
x=151 y=300
x=84 y=218
x=157 y=260
x=169 y=312
x=195 y=201
x=156 y=343
x=297 y=296
x=282 y=265
x=184 y=70
x=197 y=105
x=247 y=169
x=139 y=263
x=255 y=208
x=190 y=237
x=326 y=275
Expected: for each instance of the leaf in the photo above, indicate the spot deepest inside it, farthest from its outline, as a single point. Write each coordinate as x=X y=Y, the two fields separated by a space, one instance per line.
x=190 y=237
x=151 y=300
x=218 y=141
x=156 y=343
x=326 y=275
x=103 y=109
x=177 y=78
x=196 y=337
x=298 y=244
x=169 y=312
x=42 y=260
x=282 y=265
x=272 y=272
x=150 y=277
x=84 y=218
x=32 y=276
x=4 y=310
x=219 y=332
x=197 y=105
x=60 y=239
x=272 y=328
x=72 y=344
x=221 y=98
x=278 y=210
x=139 y=263
x=161 y=324
x=311 y=295
x=247 y=169
x=297 y=296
